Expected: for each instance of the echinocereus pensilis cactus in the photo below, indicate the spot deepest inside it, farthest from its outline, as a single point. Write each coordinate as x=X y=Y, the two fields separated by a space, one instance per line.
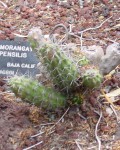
x=64 y=71
x=32 y=92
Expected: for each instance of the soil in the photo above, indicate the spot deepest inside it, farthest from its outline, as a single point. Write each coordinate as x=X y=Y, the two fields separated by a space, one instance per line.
x=23 y=125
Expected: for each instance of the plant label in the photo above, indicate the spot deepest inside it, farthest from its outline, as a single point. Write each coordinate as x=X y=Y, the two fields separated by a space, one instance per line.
x=17 y=58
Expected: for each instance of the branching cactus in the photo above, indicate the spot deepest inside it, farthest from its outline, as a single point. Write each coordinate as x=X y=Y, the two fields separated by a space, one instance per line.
x=64 y=72
x=31 y=91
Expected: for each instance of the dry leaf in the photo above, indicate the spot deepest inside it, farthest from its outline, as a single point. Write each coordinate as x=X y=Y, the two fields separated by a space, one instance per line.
x=113 y=93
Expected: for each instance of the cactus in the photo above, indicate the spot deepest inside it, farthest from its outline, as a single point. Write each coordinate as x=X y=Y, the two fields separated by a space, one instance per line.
x=66 y=73
x=32 y=92
x=63 y=71
x=91 y=78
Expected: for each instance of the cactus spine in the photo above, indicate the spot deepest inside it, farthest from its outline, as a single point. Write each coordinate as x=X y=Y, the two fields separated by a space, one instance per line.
x=32 y=92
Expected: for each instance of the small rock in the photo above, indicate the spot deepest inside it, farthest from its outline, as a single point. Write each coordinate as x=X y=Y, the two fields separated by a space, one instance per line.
x=93 y=53
x=115 y=47
x=36 y=33
x=47 y=37
x=65 y=4
x=11 y=37
x=2 y=37
x=105 y=1
x=111 y=60
x=105 y=12
x=109 y=111
x=101 y=17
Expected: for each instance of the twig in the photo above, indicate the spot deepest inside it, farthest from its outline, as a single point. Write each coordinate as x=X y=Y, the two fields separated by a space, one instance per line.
x=96 y=129
x=72 y=34
x=95 y=27
x=78 y=145
x=81 y=116
x=70 y=28
x=52 y=148
x=57 y=26
x=37 y=134
x=20 y=35
x=46 y=124
x=1 y=93
x=114 y=113
x=33 y=146
x=37 y=1
x=81 y=33
x=61 y=40
x=60 y=119
x=93 y=147
x=81 y=41
x=117 y=19
x=113 y=41
x=3 y=4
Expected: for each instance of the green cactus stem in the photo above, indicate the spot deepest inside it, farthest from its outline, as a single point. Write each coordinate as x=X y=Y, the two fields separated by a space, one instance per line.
x=62 y=70
x=31 y=91
x=91 y=78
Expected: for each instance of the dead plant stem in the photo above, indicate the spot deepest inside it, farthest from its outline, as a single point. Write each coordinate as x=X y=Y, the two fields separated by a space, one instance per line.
x=3 y=4
x=114 y=113
x=96 y=130
x=78 y=145
x=28 y=148
x=60 y=119
x=88 y=29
